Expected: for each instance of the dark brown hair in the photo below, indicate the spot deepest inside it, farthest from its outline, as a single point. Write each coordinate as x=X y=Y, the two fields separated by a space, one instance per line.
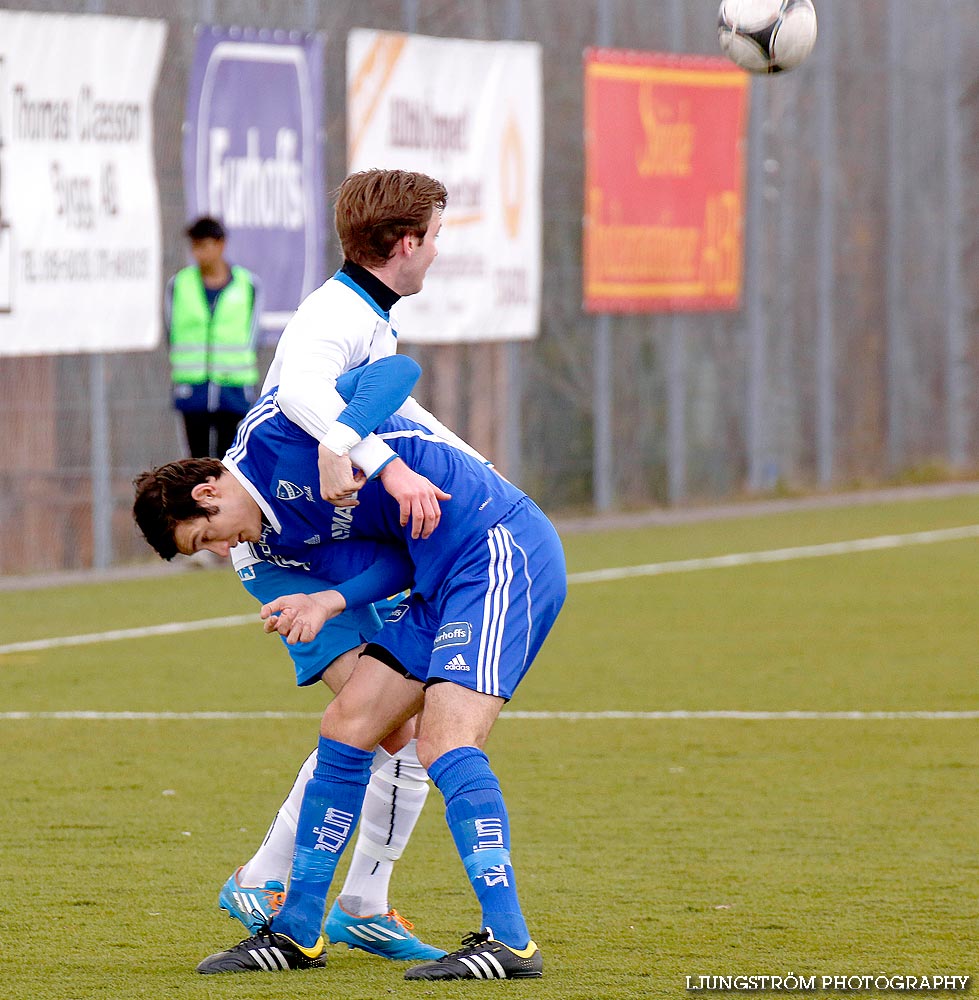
x=376 y=208
x=163 y=500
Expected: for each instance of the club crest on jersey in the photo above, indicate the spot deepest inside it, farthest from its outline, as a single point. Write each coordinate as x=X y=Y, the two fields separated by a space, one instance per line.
x=289 y=491
x=453 y=634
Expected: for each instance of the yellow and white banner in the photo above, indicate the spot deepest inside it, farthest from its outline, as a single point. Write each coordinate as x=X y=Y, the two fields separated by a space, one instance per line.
x=79 y=208
x=469 y=114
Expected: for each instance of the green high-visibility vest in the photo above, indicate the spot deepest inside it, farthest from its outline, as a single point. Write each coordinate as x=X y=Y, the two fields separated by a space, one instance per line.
x=206 y=347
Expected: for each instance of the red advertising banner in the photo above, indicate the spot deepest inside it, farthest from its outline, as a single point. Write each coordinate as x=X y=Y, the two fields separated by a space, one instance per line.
x=664 y=182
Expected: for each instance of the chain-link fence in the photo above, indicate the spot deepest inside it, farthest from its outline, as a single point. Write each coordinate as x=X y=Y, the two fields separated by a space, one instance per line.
x=853 y=359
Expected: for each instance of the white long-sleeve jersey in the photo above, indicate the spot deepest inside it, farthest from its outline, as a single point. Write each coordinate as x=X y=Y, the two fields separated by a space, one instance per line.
x=337 y=328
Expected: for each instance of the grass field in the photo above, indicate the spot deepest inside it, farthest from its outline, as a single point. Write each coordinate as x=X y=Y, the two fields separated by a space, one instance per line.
x=649 y=846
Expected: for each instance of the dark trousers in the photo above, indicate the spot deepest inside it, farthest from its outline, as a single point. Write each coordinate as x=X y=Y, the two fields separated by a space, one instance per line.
x=210 y=435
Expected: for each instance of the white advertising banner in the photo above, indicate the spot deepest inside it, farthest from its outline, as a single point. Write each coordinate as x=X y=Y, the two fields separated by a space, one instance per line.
x=469 y=114
x=79 y=207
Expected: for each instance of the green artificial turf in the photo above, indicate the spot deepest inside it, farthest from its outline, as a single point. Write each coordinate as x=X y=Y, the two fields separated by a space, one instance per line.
x=646 y=849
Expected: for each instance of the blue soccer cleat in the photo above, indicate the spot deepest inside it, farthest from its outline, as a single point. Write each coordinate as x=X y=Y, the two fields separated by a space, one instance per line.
x=254 y=906
x=385 y=934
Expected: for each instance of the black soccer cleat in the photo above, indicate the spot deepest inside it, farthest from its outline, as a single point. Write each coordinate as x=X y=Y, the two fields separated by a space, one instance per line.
x=265 y=951
x=480 y=957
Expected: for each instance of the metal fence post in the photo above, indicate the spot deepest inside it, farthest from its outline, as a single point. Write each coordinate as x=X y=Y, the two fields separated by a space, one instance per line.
x=896 y=233
x=956 y=387
x=676 y=360
x=826 y=260
x=755 y=429
x=603 y=491
x=512 y=416
x=100 y=442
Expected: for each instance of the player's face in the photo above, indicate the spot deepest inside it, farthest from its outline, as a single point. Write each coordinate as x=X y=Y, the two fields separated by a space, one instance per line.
x=422 y=255
x=207 y=252
x=235 y=517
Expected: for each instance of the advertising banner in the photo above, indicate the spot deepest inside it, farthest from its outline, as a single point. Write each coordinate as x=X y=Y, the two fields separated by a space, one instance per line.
x=79 y=207
x=664 y=182
x=469 y=114
x=253 y=157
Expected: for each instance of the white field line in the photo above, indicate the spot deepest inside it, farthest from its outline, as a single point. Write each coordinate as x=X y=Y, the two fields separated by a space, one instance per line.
x=145 y=631
x=562 y=716
x=729 y=561
x=781 y=555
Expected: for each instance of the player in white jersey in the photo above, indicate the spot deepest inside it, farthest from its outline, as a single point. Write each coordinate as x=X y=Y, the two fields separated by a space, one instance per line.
x=484 y=599
x=388 y=222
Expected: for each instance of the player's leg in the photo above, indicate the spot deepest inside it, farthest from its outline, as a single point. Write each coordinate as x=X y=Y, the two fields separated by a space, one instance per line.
x=197 y=427
x=255 y=892
x=454 y=727
x=374 y=702
x=362 y=916
x=495 y=614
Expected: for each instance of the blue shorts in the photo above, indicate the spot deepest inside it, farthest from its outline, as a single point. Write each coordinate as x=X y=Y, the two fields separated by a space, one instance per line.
x=266 y=581
x=489 y=618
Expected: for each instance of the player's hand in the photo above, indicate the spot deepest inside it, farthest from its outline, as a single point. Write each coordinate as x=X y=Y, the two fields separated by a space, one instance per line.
x=418 y=497
x=339 y=483
x=299 y=617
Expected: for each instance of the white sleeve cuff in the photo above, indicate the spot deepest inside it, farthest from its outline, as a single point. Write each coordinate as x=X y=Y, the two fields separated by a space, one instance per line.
x=371 y=454
x=340 y=438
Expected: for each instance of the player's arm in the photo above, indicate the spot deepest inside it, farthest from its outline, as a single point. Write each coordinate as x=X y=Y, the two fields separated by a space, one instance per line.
x=365 y=572
x=391 y=572
x=361 y=572
x=371 y=400
x=299 y=617
x=266 y=581
x=372 y=393
x=307 y=390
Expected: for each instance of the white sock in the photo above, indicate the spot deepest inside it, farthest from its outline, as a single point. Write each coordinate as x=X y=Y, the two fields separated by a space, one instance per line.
x=395 y=796
x=273 y=860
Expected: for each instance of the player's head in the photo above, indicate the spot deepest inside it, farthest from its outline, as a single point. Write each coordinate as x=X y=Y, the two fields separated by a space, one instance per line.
x=207 y=237
x=194 y=504
x=376 y=209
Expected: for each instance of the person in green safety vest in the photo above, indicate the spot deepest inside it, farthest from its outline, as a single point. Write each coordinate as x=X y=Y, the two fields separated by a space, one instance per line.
x=211 y=312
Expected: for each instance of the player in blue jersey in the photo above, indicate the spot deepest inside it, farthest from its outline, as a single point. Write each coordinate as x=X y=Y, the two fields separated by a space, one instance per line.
x=398 y=786
x=487 y=590
x=387 y=222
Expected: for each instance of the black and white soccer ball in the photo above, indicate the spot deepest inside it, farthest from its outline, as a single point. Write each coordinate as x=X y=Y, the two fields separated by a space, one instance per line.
x=766 y=36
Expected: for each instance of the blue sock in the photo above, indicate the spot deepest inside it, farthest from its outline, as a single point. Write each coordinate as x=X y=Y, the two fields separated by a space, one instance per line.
x=477 y=817
x=330 y=809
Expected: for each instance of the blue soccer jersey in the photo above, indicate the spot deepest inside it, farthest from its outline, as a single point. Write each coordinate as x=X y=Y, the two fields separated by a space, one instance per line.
x=489 y=582
x=276 y=462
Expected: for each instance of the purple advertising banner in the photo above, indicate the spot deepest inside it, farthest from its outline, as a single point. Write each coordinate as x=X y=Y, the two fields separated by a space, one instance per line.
x=253 y=157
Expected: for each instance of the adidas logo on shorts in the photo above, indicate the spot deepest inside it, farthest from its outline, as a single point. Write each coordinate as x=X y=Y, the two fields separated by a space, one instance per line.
x=457 y=663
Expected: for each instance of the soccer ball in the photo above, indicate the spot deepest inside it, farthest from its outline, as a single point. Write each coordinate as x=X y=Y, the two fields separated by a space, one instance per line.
x=766 y=36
